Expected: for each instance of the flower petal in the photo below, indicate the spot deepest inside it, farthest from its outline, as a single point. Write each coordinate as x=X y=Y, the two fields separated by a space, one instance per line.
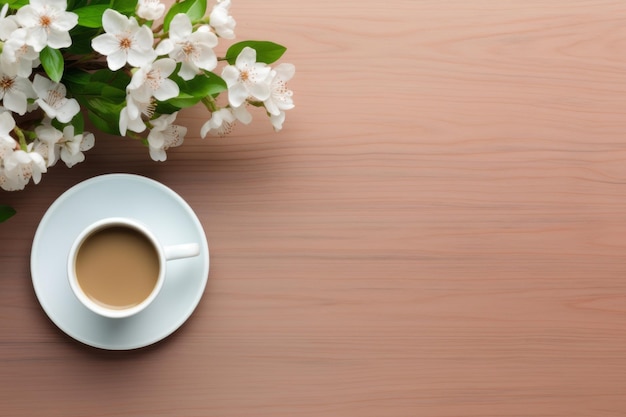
x=157 y=154
x=180 y=27
x=247 y=57
x=27 y=16
x=105 y=44
x=237 y=95
x=87 y=142
x=68 y=111
x=139 y=58
x=156 y=139
x=285 y=71
x=260 y=91
x=187 y=71
x=143 y=39
x=15 y=101
x=114 y=22
x=66 y=21
x=207 y=59
x=230 y=74
x=165 y=65
x=116 y=60
x=59 y=39
x=164 y=47
x=242 y=114
x=169 y=89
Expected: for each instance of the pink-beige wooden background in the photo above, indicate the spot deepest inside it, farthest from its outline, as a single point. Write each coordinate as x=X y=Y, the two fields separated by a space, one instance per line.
x=439 y=230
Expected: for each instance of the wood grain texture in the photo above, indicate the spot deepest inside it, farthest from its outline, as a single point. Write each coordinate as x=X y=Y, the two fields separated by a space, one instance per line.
x=438 y=231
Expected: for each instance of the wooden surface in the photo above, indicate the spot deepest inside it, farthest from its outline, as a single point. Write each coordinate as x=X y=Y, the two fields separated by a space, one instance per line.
x=439 y=230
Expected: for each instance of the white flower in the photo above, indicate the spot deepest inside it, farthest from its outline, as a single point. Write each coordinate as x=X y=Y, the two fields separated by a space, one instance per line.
x=193 y=49
x=7 y=146
x=221 y=21
x=130 y=116
x=7 y=124
x=124 y=41
x=280 y=97
x=10 y=181
x=72 y=146
x=247 y=78
x=46 y=145
x=14 y=92
x=278 y=120
x=127 y=122
x=242 y=114
x=48 y=23
x=18 y=58
x=220 y=123
x=53 y=101
x=20 y=166
x=150 y=9
x=7 y=24
x=51 y=143
x=7 y=143
x=164 y=135
x=151 y=80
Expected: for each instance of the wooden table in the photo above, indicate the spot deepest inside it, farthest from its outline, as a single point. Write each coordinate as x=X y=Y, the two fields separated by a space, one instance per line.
x=439 y=230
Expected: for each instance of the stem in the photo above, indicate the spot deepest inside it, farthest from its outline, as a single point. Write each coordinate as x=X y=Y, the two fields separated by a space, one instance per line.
x=133 y=135
x=21 y=138
x=209 y=103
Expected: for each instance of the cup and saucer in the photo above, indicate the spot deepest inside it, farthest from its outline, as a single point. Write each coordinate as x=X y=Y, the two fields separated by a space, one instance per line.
x=168 y=218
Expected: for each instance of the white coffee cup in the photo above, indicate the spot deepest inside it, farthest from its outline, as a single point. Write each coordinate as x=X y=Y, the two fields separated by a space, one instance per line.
x=115 y=259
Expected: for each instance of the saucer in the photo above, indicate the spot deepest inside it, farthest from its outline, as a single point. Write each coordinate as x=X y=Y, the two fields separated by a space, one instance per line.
x=124 y=195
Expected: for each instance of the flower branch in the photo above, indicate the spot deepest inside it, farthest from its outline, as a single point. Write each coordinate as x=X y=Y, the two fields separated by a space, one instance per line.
x=130 y=67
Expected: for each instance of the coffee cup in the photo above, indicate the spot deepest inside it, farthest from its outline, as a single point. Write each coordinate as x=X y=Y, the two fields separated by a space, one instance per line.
x=117 y=267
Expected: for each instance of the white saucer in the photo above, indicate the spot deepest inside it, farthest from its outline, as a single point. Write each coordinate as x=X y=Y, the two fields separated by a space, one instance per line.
x=157 y=206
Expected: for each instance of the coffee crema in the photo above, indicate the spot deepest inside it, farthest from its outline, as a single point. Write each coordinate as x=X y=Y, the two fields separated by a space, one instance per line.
x=117 y=267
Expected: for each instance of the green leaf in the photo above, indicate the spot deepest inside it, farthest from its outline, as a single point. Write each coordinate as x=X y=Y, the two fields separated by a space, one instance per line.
x=75 y=76
x=52 y=63
x=194 y=90
x=195 y=9
x=165 y=108
x=266 y=51
x=81 y=40
x=91 y=16
x=16 y=4
x=201 y=85
x=6 y=212
x=103 y=84
x=81 y=86
x=117 y=79
x=103 y=94
x=103 y=125
x=104 y=114
x=126 y=7
x=107 y=109
x=77 y=4
x=182 y=101
x=79 y=123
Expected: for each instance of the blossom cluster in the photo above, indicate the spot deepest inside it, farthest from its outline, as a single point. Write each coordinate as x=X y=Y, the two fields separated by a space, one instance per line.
x=129 y=66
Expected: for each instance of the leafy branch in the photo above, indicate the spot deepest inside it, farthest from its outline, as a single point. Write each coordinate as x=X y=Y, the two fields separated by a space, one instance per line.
x=6 y=212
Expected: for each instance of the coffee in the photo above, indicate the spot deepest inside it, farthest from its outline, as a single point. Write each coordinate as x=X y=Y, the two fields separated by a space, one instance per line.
x=117 y=267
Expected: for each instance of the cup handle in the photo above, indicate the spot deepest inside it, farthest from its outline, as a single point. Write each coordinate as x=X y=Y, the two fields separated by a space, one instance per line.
x=186 y=250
